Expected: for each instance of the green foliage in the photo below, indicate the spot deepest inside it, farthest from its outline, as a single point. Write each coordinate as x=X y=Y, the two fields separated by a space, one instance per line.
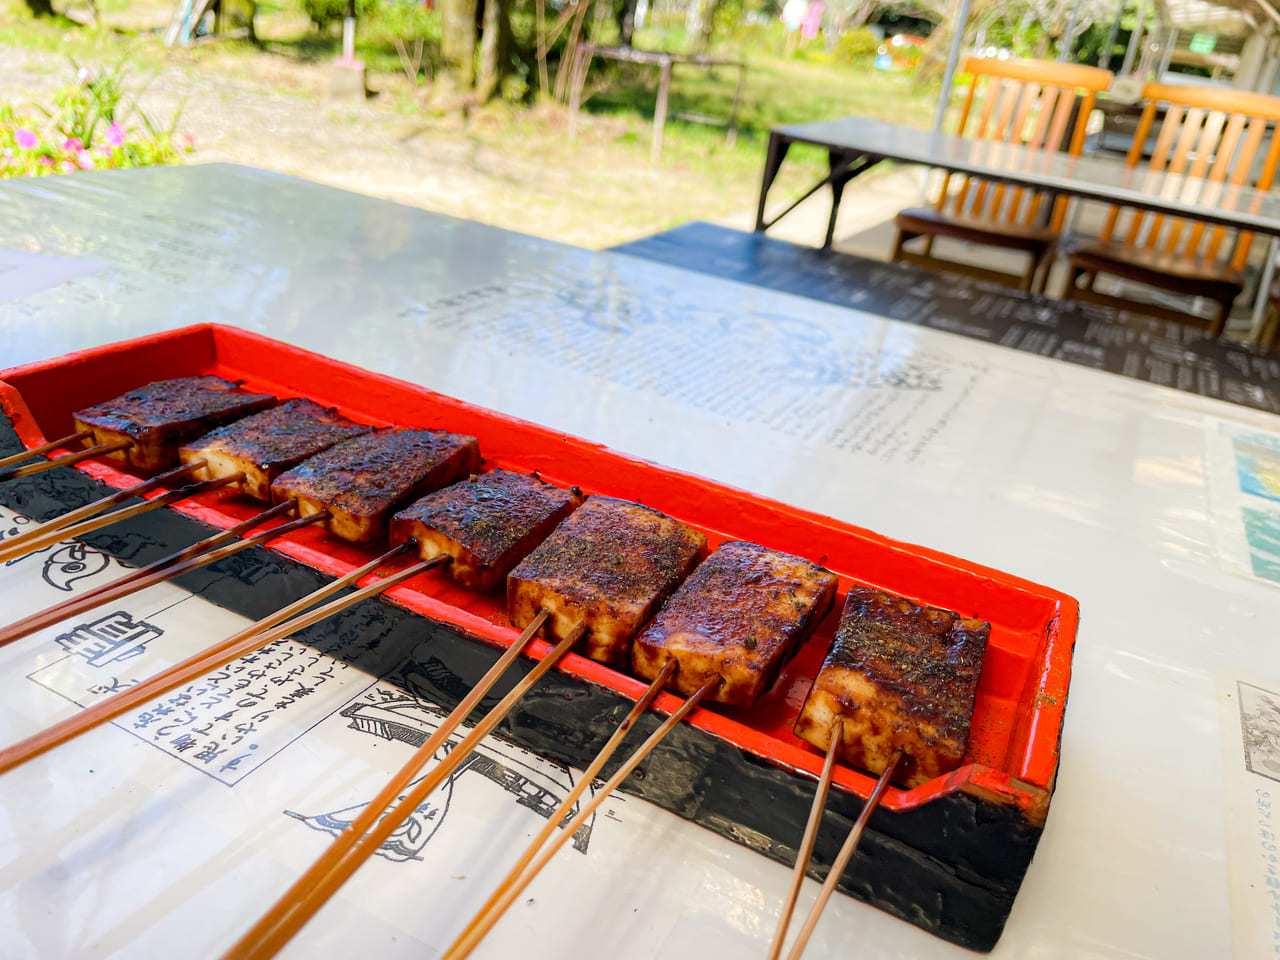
x=325 y=12
x=406 y=19
x=1022 y=40
x=856 y=46
x=93 y=123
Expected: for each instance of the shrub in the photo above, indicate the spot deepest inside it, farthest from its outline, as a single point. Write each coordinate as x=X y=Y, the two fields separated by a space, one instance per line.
x=325 y=12
x=93 y=123
x=856 y=46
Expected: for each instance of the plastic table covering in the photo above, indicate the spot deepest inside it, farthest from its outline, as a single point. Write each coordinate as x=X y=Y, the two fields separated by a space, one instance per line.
x=1090 y=483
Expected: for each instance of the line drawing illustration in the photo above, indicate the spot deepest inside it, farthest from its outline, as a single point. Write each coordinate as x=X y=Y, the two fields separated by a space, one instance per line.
x=1260 y=730
x=117 y=636
x=387 y=713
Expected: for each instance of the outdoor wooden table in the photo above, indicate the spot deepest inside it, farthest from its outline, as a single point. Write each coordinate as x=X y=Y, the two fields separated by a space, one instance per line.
x=664 y=62
x=1119 y=492
x=855 y=144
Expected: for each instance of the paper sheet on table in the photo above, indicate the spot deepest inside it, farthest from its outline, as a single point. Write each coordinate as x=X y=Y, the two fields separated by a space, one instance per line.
x=22 y=273
x=1249 y=714
x=1243 y=467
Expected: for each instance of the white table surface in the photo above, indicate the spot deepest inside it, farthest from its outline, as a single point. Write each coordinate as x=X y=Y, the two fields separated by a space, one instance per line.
x=1093 y=484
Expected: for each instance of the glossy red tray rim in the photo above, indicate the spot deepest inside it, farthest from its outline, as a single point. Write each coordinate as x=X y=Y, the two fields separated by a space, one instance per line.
x=1039 y=762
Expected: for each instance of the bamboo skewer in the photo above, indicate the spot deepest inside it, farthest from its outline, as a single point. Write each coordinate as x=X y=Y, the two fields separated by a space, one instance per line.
x=367 y=833
x=41 y=538
x=13 y=473
x=842 y=859
x=259 y=634
x=72 y=517
x=805 y=852
x=45 y=448
x=194 y=557
x=566 y=806
x=468 y=941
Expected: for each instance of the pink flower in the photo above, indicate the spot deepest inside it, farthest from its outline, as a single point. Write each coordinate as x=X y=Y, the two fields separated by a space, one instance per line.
x=66 y=166
x=114 y=134
x=46 y=161
x=191 y=141
x=7 y=152
x=72 y=145
x=26 y=139
x=85 y=160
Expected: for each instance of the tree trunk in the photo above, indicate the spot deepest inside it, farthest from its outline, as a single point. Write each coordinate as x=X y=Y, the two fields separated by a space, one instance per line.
x=626 y=18
x=706 y=25
x=493 y=45
x=860 y=16
x=40 y=8
x=458 y=43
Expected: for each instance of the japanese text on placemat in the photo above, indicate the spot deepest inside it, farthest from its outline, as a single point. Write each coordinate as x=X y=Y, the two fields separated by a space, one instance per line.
x=232 y=720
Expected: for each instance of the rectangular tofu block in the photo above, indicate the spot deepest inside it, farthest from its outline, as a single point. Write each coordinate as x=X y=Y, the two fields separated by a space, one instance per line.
x=741 y=616
x=361 y=481
x=158 y=418
x=608 y=567
x=897 y=675
x=267 y=444
x=486 y=524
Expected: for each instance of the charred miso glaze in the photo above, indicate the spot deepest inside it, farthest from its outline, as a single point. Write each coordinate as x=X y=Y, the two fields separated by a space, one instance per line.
x=361 y=481
x=897 y=675
x=487 y=523
x=608 y=566
x=161 y=416
x=741 y=616
x=266 y=444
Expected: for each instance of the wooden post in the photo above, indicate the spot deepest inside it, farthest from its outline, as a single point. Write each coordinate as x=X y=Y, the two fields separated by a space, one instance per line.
x=660 y=111
x=732 y=138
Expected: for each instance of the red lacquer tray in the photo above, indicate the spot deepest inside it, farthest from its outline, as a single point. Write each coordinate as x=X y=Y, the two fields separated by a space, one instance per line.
x=1017 y=722
x=948 y=856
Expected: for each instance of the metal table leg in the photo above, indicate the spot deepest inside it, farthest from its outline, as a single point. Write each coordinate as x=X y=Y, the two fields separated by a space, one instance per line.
x=776 y=153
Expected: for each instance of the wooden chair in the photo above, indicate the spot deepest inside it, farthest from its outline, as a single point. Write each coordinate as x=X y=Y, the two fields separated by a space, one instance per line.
x=1207 y=133
x=1029 y=102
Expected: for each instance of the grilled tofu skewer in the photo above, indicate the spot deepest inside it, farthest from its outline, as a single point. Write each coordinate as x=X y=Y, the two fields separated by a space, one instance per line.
x=259 y=448
x=72 y=523
x=381 y=468
x=605 y=550
x=895 y=696
x=724 y=635
x=144 y=428
x=483 y=527
x=154 y=421
x=360 y=483
x=248 y=453
x=265 y=631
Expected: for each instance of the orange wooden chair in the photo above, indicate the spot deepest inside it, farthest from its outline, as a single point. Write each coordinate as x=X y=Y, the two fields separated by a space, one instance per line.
x=1029 y=102
x=1207 y=133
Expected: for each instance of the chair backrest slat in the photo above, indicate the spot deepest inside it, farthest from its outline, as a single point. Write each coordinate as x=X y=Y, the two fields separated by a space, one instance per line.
x=1212 y=142
x=1210 y=135
x=1159 y=161
x=965 y=110
x=1023 y=102
x=1177 y=165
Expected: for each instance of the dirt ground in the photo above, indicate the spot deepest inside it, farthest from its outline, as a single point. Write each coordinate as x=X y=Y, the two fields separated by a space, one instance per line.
x=273 y=112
